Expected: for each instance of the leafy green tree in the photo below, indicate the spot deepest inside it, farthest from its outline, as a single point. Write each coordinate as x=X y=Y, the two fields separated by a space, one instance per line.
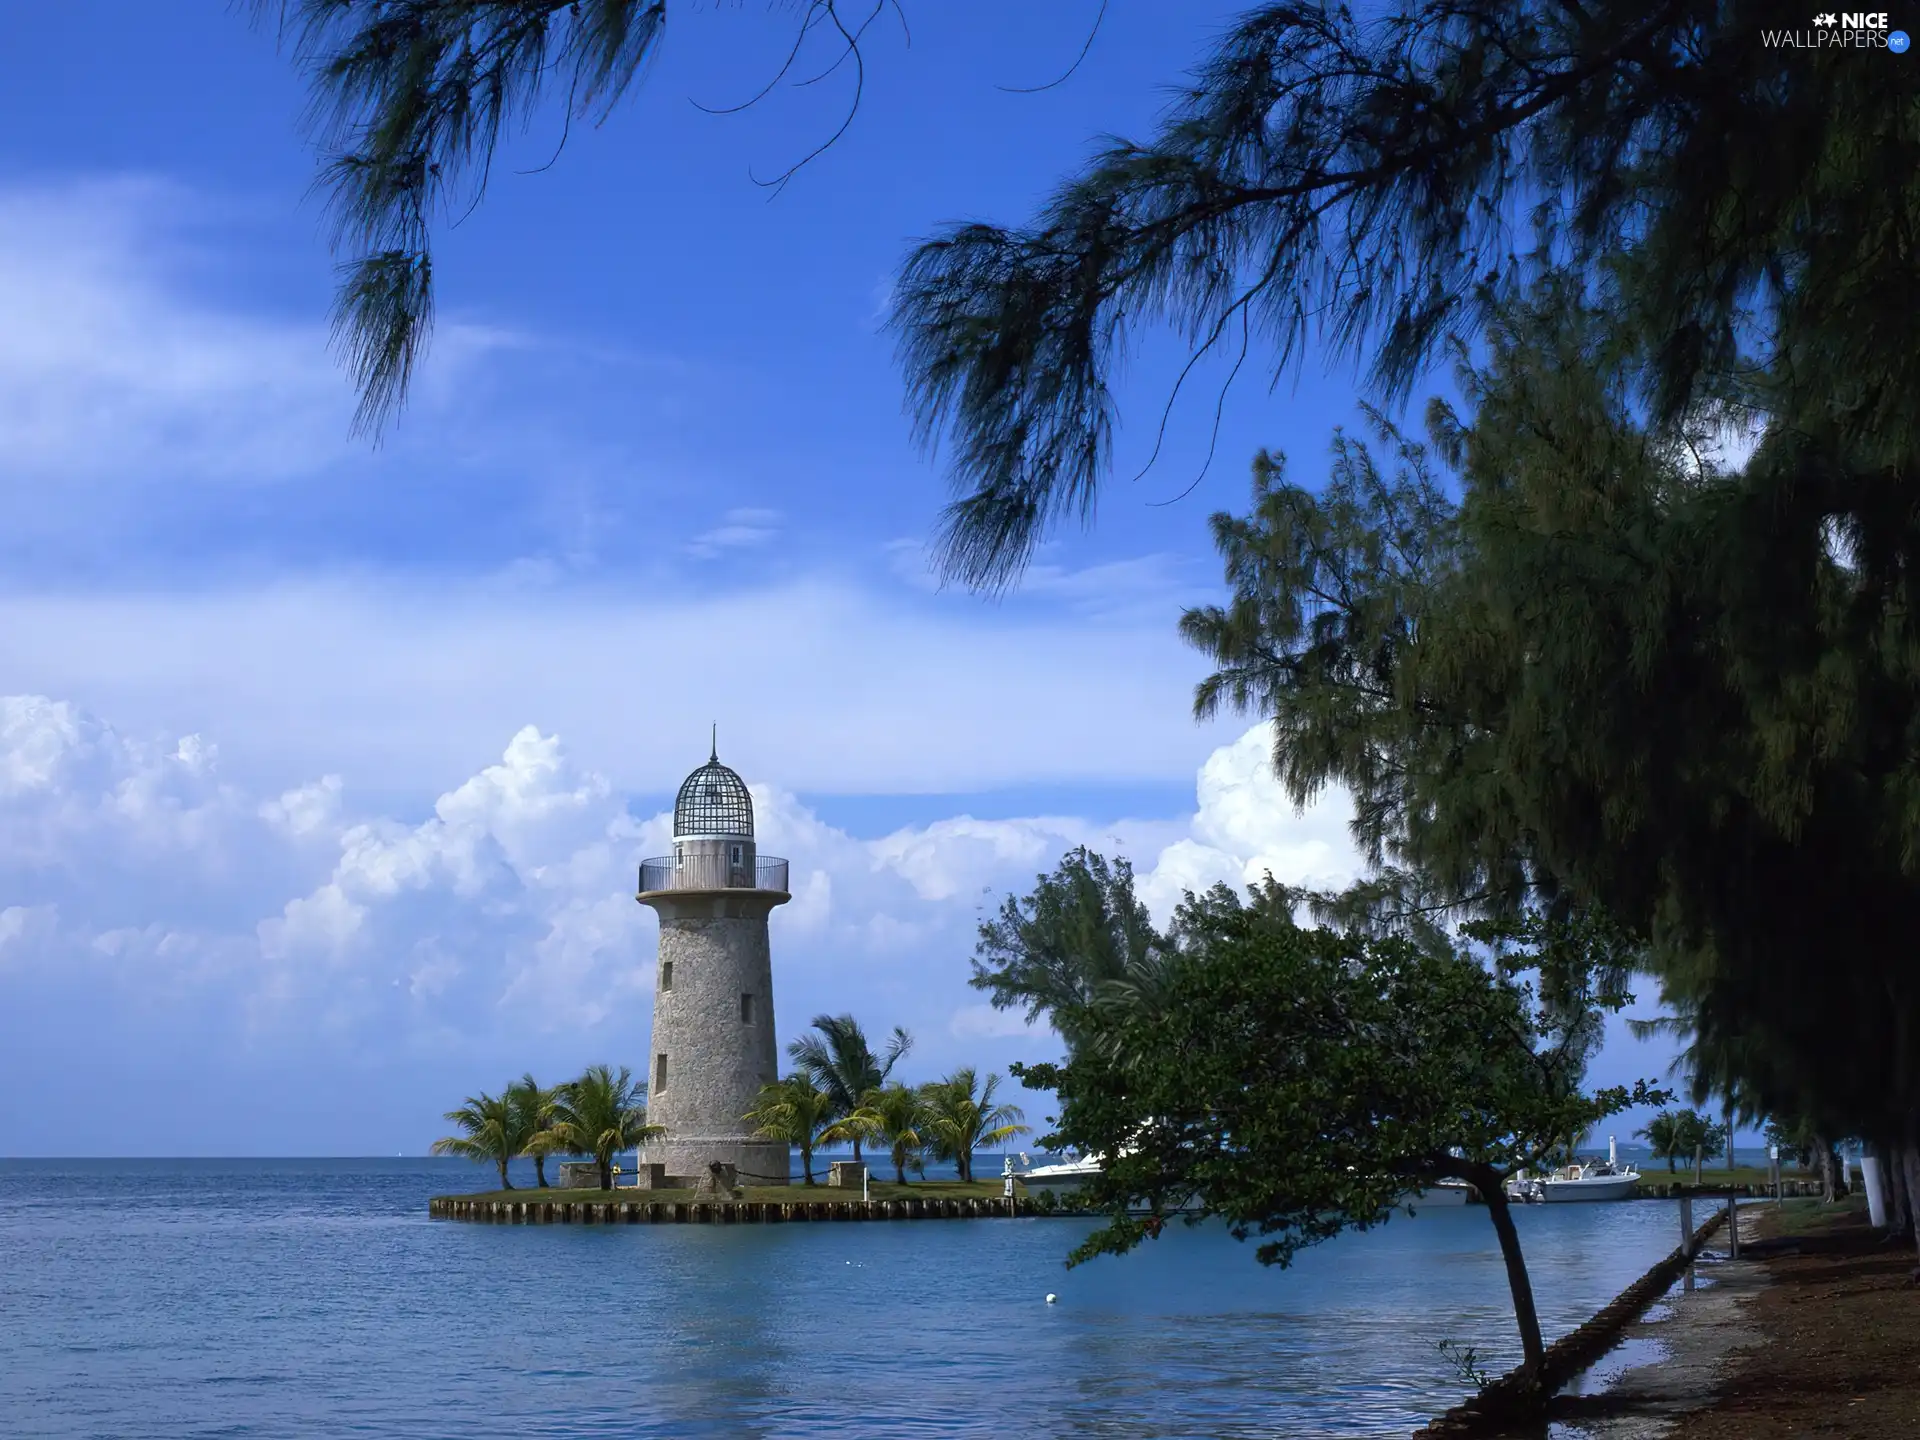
x=897 y=1116
x=1079 y=937
x=534 y=1117
x=490 y=1129
x=842 y=1063
x=1664 y=1138
x=601 y=1114
x=794 y=1110
x=1355 y=177
x=962 y=1117
x=1610 y=677
x=1298 y=1083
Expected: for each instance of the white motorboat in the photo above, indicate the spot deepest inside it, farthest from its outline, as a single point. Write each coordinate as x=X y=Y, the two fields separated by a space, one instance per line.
x=1601 y=1181
x=1067 y=1176
x=1443 y=1192
x=1063 y=1177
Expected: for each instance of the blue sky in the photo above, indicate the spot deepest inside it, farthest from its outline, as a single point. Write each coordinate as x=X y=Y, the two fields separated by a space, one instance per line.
x=326 y=765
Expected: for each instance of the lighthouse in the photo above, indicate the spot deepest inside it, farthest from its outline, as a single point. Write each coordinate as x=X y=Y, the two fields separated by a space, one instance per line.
x=713 y=1041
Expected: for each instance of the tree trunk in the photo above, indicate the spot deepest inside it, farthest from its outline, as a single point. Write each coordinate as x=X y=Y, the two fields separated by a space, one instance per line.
x=505 y=1184
x=1893 y=1180
x=1493 y=1191
x=1672 y=1168
x=1829 y=1179
x=540 y=1171
x=899 y=1168
x=1729 y=1147
x=856 y=1149
x=606 y=1171
x=1910 y=1166
x=1699 y=1163
x=806 y=1162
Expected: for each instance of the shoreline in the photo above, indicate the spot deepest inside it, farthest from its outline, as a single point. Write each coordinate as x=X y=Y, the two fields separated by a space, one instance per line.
x=1809 y=1332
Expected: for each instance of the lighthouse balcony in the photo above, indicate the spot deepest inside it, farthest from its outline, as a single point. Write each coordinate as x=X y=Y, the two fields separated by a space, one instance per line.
x=713 y=870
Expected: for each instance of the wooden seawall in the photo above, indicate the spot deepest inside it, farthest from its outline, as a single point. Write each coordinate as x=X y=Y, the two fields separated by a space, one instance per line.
x=1498 y=1405
x=716 y=1212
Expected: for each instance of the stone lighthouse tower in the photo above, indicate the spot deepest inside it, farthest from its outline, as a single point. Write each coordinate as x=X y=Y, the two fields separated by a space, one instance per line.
x=713 y=1044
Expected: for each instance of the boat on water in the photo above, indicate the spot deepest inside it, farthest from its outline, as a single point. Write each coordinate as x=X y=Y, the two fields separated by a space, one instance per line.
x=1441 y=1192
x=1602 y=1181
x=1067 y=1176
x=1592 y=1180
x=1063 y=1177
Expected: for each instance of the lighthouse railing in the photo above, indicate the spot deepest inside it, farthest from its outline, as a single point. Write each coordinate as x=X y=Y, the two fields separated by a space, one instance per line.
x=712 y=872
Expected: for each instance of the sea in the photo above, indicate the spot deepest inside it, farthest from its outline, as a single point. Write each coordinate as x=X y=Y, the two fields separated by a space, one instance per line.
x=284 y=1298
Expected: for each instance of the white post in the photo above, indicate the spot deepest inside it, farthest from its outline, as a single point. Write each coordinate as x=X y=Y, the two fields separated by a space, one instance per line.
x=1613 y=1153
x=1876 y=1197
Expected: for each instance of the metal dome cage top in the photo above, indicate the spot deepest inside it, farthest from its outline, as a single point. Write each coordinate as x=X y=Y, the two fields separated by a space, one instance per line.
x=713 y=800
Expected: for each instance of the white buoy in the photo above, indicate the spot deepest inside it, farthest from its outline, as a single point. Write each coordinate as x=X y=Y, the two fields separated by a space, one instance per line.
x=1052 y=1298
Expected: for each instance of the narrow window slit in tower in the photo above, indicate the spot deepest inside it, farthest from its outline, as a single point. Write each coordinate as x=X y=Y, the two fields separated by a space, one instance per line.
x=666 y=974
x=659 y=1072
x=746 y=1008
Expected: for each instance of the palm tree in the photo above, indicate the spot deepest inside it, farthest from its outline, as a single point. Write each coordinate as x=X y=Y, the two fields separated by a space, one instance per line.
x=1664 y=1139
x=794 y=1110
x=534 y=1107
x=959 y=1122
x=897 y=1117
x=601 y=1114
x=841 y=1062
x=490 y=1130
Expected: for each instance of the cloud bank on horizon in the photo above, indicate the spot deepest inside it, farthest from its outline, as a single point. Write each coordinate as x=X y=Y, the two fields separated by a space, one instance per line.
x=309 y=943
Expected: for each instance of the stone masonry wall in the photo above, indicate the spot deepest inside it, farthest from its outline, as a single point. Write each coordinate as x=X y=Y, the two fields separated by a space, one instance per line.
x=716 y=1061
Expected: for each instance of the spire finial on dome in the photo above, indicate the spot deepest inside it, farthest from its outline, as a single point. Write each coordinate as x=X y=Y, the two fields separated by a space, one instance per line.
x=716 y=743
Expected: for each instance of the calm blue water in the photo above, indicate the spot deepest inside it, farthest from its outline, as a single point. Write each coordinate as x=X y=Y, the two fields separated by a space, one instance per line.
x=314 y=1297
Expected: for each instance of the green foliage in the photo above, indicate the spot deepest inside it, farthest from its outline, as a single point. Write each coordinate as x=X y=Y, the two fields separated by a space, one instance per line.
x=535 y=1113
x=1299 y=1083
x=961 y=1117
x=1665 y=1139
x=601 y=1114
x=490 y=1129
x=1079 y=938
x=1797 y=1142
x=896 y=1116
x=1358 y=179
x=410 y=99
x=841 y=1062
x=1684 y=1135
x=794 y=1110
x=1616 y=680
